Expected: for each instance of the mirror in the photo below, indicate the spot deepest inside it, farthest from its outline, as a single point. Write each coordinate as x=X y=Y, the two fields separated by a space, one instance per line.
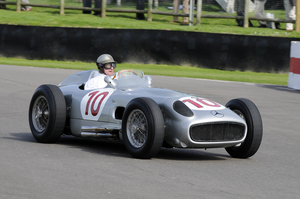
x=110 y=81
x=148 y=79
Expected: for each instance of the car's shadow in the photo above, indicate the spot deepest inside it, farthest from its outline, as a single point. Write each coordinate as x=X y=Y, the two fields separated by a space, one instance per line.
x=278 y=87
x=118 y=149
x=189 y=154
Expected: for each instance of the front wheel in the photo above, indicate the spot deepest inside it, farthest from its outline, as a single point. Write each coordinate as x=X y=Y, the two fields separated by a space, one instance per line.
x=247 y=110
x=143 y=128
x=47 y=114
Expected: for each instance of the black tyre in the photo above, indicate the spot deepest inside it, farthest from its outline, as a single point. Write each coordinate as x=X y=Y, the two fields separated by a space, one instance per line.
x=143 y=128
x=47 y=114
x=249 y=112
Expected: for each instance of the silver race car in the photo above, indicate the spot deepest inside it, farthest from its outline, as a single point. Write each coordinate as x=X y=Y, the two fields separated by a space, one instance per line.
x=144 y=118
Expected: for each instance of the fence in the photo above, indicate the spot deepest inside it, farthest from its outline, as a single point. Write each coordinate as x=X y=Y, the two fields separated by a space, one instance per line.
x=217 y=9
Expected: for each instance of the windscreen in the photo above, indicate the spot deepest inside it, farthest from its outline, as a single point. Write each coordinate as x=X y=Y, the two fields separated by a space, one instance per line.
x=130 y=79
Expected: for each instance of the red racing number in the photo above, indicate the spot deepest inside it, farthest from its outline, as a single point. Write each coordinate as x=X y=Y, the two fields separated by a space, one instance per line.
x=93 y=96
x=208 y=102
x=200 y=102
x=192 y=102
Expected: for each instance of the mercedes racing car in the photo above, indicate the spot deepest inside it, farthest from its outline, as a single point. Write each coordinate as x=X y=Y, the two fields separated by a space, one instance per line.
x=144 y=118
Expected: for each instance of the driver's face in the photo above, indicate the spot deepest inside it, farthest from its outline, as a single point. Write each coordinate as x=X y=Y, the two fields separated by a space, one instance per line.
x=109 y=72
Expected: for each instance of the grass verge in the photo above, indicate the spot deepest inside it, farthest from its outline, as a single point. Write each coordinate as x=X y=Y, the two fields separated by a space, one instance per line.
x=39 y=16
x=164 y=70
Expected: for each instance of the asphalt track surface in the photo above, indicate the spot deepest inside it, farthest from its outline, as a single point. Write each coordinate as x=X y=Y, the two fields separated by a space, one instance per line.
x=85 y=168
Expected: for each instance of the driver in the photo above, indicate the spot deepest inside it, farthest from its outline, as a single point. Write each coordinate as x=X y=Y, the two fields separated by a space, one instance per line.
x=106 y=65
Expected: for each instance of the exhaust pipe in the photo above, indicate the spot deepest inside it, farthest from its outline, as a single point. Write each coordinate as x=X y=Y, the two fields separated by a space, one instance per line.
x=99 y=132
x=98 y=135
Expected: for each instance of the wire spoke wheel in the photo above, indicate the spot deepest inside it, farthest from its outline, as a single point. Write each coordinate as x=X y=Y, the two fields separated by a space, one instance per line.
x=40 y=114
x=137 y=128
x=143 y=128
x=47 y=113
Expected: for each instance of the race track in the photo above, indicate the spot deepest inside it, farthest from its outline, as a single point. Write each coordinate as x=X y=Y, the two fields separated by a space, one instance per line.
x=85 y=168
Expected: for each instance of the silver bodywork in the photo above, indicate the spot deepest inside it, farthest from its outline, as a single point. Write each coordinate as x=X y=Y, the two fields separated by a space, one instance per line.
x=98 y=113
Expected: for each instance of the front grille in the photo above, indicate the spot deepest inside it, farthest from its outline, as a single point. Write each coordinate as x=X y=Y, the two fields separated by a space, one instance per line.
x=217 y=132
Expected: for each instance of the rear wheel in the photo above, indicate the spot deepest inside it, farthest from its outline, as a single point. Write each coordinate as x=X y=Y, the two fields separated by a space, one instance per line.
x=247 y=110
x=47 y=114
x=143 y=128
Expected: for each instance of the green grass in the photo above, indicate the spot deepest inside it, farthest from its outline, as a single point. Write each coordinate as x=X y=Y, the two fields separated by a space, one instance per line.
x=73 y=18
x=165 y=70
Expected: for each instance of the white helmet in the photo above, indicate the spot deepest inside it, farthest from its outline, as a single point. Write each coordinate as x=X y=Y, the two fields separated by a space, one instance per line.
x=104 y=59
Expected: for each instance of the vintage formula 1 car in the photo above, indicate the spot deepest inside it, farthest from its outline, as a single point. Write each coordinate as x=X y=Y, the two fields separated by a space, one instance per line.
x=144 y=118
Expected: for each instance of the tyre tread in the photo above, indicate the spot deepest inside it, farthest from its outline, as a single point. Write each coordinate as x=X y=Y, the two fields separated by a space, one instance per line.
x=255 y=128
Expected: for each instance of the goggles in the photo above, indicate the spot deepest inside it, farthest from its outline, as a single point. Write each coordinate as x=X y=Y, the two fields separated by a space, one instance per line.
x=109 y=65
